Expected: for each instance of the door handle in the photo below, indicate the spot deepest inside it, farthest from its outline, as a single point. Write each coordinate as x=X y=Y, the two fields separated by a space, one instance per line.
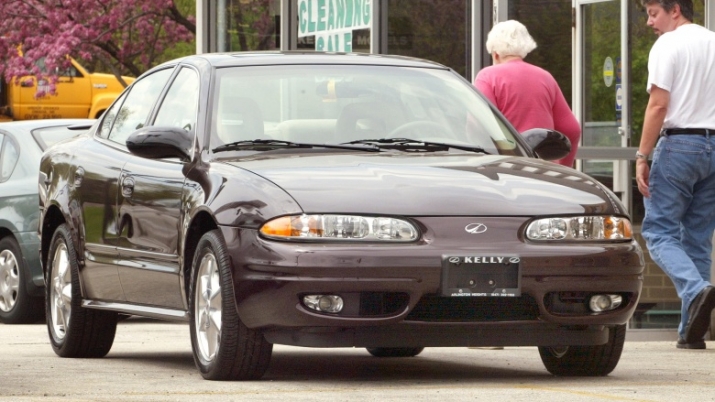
x=127 y=187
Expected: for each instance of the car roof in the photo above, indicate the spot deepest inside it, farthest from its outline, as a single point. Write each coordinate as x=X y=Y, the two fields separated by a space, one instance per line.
x=263 y=58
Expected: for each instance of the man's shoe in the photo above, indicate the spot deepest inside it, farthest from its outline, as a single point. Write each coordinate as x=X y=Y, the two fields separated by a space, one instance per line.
x=681 y=344
x=699 y=315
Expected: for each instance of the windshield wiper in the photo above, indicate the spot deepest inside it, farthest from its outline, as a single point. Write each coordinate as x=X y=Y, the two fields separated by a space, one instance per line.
x=267 y=145
x=408 y=144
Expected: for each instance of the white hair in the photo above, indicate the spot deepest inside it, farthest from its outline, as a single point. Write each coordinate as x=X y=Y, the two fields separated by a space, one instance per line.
x=510 y=38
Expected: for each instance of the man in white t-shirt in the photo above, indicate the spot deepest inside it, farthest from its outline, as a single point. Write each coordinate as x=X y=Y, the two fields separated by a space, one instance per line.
x=679 y=186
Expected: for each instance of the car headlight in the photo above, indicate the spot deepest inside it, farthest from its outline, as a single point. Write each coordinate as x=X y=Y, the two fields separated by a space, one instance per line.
x=584 y=228
x=339 y=227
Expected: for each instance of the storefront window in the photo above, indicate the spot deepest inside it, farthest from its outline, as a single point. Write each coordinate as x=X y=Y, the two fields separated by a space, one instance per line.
x=334 y=26
x=549 y=23
x=437 y=30
x=242 y=25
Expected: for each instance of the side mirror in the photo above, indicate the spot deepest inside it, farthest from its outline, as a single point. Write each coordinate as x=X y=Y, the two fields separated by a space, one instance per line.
x=547 y=144
x=157 y=142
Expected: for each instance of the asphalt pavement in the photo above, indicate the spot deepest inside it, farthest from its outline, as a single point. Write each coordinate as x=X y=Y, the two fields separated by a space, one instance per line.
x=152 y=361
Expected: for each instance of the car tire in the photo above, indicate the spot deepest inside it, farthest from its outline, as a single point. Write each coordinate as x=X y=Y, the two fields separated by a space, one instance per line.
x=597 y=360
x=224 y=348
x=16 y=305
x=395 y=352
x=74 y=331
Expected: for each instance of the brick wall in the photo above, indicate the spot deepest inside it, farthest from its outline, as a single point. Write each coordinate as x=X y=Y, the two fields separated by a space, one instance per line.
x=657 y=286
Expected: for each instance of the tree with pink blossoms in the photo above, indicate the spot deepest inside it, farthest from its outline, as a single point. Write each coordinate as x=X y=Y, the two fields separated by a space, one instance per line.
x=127 y=37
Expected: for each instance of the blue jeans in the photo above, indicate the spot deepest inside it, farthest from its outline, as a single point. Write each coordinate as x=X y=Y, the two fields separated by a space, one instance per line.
x=680 y=213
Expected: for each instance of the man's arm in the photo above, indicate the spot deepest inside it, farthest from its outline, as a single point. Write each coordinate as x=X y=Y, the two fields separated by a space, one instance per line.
x=652 y=124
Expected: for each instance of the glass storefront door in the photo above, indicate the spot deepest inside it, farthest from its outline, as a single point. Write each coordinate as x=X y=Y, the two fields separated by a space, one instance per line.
x=602 y=89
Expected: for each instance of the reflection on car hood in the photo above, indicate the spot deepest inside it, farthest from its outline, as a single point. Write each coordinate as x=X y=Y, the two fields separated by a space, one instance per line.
x=434 y=185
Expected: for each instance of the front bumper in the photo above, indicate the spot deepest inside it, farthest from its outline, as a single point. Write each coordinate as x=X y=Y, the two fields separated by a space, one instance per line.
x=392 y=292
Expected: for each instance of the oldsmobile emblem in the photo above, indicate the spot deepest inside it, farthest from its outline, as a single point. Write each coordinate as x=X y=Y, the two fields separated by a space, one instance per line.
x=476 y=228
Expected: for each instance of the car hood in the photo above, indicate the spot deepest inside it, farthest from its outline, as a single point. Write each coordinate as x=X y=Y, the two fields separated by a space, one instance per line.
x=432 y=184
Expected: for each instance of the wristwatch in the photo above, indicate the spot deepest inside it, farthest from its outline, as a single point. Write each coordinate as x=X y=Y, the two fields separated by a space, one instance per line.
x=641 y=156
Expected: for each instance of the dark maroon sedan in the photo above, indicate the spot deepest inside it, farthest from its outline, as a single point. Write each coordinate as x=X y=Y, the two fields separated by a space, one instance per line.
x=330 y=200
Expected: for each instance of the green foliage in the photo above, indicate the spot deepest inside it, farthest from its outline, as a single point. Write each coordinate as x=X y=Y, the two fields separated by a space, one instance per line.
x=186 y=8
x=642 y=39
x=178 y=50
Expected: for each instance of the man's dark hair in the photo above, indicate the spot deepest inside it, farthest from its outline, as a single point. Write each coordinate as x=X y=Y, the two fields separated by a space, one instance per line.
x=686 y=6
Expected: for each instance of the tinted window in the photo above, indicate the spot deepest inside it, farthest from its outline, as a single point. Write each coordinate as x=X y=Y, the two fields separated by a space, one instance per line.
x=109 y=115
x=179 y=107
x=8 y=158
x=135 y=110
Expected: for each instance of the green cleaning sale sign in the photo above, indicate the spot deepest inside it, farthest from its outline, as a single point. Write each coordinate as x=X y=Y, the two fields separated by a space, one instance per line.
x=333 y=21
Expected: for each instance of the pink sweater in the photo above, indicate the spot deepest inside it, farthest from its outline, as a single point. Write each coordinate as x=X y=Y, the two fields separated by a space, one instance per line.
x=529 y=97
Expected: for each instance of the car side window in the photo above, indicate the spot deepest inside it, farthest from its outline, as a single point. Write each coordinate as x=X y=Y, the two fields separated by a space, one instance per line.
x=135 y=109
x=180 y=106
x=71 y=71
x=108 y=117
x=9 y=154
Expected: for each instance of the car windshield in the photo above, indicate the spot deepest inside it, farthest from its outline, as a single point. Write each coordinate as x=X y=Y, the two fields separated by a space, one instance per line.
x=340 y=104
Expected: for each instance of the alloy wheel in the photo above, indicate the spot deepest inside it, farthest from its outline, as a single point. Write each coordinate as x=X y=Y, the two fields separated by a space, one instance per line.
x=9 y=280
x=207 y=313
x=60 y=292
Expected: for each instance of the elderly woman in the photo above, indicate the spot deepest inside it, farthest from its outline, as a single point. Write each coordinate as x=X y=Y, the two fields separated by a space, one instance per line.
x=527 y=95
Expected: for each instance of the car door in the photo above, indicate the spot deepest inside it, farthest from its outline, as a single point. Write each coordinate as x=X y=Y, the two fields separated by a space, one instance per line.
x=93 y=175
x=96 y=177
x=150 y=207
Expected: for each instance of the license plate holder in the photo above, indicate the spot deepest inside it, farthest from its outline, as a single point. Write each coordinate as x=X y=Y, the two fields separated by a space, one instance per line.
x=481 y=276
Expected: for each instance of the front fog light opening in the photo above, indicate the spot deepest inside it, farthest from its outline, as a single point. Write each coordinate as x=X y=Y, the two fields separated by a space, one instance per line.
x=602 y=303
x=324 y=303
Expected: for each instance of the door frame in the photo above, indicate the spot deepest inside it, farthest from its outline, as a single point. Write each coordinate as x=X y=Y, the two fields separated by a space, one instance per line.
x=622 y=171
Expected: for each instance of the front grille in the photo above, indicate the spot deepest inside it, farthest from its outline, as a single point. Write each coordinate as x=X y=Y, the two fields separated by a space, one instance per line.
x=436 y=308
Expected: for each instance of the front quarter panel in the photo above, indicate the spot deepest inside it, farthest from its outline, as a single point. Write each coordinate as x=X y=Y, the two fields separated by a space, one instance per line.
x=239 y=197
x=54 y=190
